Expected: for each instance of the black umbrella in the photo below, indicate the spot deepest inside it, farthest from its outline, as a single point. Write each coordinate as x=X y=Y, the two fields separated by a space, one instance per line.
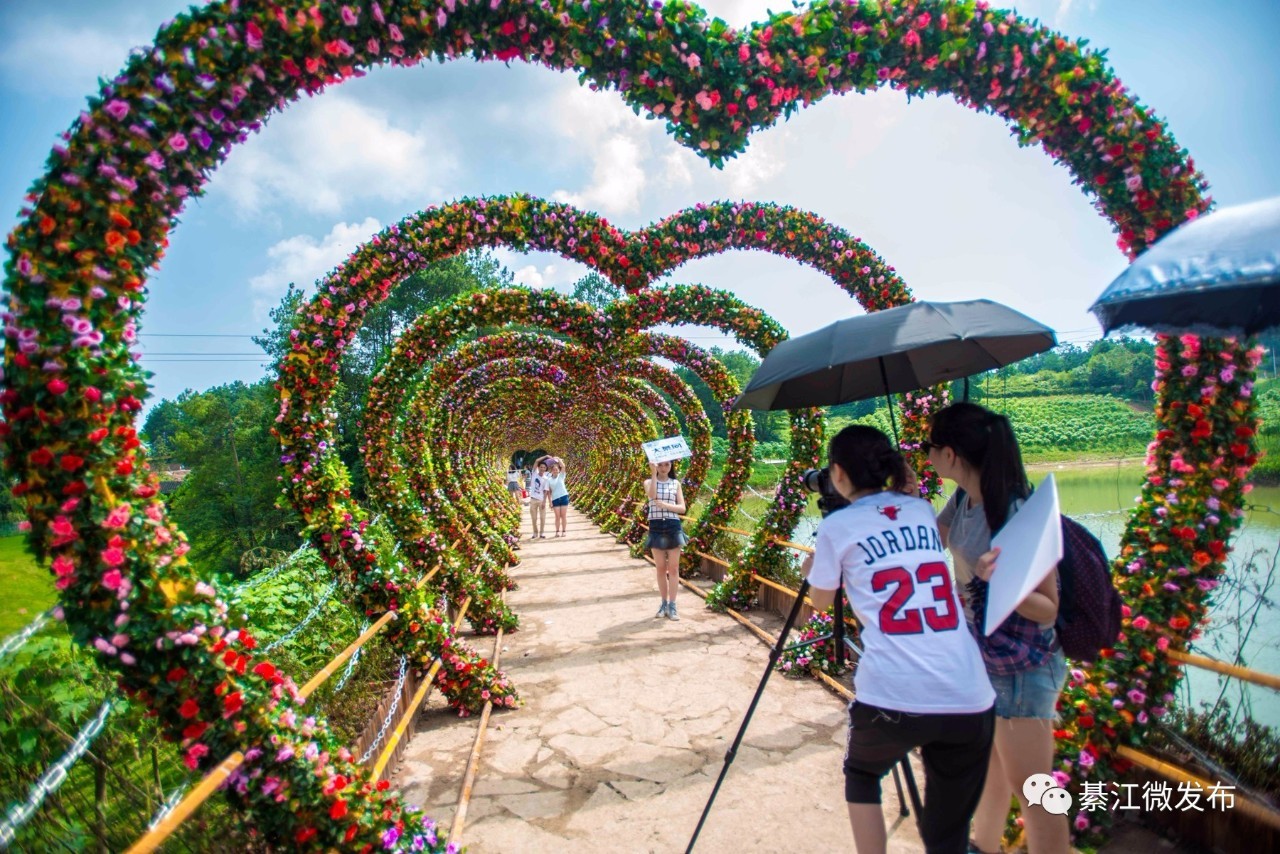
x=899 y=349
x=1218 y=275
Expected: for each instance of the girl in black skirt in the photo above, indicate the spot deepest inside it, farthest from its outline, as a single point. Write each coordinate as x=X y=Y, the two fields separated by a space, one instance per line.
x=666 y=538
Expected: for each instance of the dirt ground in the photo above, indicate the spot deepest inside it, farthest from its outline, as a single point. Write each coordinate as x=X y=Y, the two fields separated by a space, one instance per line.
x=625 y=724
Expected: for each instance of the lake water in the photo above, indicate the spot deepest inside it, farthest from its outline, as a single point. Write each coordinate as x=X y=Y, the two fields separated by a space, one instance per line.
x=1099 y=497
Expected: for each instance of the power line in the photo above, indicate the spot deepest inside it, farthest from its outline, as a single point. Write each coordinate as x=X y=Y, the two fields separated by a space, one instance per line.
x=193 y=335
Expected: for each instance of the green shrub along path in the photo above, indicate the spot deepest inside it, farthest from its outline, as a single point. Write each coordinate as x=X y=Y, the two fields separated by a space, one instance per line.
x=25 y=586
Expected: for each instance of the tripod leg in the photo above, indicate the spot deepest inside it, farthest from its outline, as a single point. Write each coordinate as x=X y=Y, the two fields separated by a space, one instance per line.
x=732 y=752
x=837 y=611
x=902 y=799
x=911 y=787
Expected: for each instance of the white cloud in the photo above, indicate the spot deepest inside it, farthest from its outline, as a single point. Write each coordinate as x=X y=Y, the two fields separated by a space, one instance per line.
x=529 y=276
x=765 y=158
x=617 y=179
x=327 y=152
x=675 y=167
x=302 y=259
x=1065 y=7
x=618 y=143
x=47 y=56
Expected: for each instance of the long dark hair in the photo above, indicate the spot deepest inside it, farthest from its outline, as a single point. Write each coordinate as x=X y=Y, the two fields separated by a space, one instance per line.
x=985 y=440
x=868 y=458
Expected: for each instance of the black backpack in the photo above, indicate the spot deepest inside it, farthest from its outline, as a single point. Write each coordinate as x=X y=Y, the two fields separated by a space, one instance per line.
x=1089 y=606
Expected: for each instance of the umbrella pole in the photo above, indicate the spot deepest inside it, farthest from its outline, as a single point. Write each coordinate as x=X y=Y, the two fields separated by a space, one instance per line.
x=893 y=424
x=966 y=389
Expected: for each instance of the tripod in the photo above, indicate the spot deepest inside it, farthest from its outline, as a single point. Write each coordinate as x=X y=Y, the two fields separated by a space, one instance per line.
x=774 y=654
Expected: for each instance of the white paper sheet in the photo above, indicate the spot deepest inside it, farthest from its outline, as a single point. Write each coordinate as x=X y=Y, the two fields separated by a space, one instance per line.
x=1030 y=546
x=670 y=448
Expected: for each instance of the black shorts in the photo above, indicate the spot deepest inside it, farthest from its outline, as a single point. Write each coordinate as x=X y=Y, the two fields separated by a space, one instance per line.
x=955 y=750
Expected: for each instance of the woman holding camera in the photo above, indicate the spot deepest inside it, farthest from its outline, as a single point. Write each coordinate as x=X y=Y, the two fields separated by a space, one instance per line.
x=976 y=449
x=666 y=536
x=920 y=680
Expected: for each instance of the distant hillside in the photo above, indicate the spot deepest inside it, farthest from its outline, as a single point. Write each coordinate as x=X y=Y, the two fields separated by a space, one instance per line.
x=1063 y=426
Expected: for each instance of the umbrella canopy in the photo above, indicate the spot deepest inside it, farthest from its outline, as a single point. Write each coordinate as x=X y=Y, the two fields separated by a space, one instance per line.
x=899 y=349
x=1218 y=275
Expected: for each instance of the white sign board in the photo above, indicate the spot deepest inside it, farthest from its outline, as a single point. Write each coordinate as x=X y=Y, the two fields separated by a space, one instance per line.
x=1030 y=546
x=670 y=448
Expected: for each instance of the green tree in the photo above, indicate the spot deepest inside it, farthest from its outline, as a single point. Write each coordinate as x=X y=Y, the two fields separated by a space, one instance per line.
x=161 y=425
x=596 y=290
x=434 y=284
x=227 y=503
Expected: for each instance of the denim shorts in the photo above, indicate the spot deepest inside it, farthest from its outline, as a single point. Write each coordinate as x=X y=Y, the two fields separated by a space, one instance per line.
x=562 y=501
x=1032 y=693
x=666 y=534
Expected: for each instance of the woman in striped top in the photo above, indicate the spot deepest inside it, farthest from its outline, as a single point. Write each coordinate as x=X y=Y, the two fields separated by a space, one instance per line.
x=666 y=538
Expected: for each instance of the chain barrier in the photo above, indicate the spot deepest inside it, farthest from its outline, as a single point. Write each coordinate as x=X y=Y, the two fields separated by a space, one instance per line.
x=52 y=779
x=391 y=713
x=264 y=577
x=311 y=615
x=18 y=638
x=175 y=798
x=351 y=662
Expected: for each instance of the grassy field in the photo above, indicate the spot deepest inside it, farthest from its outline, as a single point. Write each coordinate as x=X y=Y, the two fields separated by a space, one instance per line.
x=27 y=589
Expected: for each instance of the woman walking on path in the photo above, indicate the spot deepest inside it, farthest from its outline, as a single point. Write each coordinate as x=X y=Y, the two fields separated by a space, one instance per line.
x=976 y=449
x=538 y=499
x=666 y=537
x=513 y=483
x=559 y=494
x=920 y=680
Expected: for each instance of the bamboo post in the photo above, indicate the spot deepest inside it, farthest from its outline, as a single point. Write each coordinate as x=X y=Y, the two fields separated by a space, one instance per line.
x=473 y=761
x=1265 y=814
x=1233 y=670
x=414 y=704
x=153 y=838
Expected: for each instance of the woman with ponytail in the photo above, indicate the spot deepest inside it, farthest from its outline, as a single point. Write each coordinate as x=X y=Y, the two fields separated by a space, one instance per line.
x=920 y=680
x=976 y=449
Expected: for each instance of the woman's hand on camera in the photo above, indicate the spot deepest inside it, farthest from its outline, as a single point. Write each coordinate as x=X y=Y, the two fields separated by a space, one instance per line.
x=986 y=564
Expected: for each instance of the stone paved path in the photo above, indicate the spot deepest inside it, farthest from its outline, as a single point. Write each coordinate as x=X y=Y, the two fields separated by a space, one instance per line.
x=626 y=722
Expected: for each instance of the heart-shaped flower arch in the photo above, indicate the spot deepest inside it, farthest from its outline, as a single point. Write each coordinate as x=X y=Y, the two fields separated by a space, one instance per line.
x=98 y=219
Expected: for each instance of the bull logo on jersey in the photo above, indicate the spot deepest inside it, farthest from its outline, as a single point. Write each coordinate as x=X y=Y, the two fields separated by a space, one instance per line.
x=891 y=511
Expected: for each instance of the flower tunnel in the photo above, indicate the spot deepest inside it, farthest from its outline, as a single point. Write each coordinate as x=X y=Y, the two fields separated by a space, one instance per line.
x=98 y=219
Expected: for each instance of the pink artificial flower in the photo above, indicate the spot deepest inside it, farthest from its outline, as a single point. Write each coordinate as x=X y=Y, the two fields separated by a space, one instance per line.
x=111 y=579
x=178 y=142
x=114 y=556
x=118 y=517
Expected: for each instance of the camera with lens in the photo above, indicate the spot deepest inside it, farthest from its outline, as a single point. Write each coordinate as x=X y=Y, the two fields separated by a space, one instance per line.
x=829 y=499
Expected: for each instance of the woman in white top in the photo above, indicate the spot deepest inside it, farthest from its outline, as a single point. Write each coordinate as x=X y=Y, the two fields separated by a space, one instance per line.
x=920 y=680
x=554 y=483
x=666 y=537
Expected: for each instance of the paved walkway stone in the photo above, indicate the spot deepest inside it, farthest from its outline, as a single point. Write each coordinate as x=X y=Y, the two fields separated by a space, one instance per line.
x=626 y=721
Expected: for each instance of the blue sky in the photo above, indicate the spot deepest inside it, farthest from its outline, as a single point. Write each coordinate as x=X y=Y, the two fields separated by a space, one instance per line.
x=943 y=193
